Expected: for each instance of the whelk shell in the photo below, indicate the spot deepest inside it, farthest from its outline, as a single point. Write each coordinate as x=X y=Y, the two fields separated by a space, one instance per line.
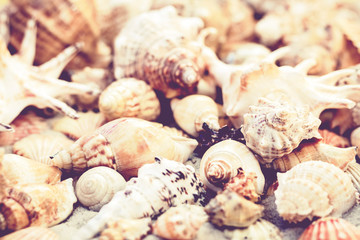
x=32 y=233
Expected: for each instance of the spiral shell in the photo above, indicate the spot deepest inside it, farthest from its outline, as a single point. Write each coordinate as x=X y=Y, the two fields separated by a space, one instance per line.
x=134 y=229
x=129 y=97
x=97 y=186
x=32 y=233
x=274 y=129
x=313 y=189
x=334 y=139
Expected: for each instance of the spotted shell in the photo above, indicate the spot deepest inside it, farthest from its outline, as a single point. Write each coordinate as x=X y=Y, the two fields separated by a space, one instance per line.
x=334 y=139
x=134 y=229
x=32 y=233
x=97 y=186
x=129 y=97
x=313 y=189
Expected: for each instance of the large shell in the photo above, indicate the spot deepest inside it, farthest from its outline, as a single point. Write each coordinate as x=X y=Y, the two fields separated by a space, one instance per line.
x=134 y=229
x=223 y=161
x=273 y=129
x=181 y=222
x=129 y=97
x=32 y=233
x=158 y=187
x=97 y=186
x=313 y=189
x=109 y=146
x=191 y=112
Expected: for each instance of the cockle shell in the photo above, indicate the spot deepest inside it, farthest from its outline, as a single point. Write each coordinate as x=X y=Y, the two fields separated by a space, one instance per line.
x=158 y=187
x=191 y=112
x=36 y=204
x=109 y=146
x=97 y=186
x=180 y=222
x=223 y=161
x=353 y=170
x=334 y=139
x=160 y=48
x=122 y=229
x=129 y=97
x=331 y=228
x=273 y=129
x=313 y=189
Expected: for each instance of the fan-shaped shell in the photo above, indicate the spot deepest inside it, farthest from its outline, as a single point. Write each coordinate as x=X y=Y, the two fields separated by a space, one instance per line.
x=32 y=233
x=134 y=229
x=273 y=129
x=334 y=139
x=97 y=186
x=129 y=97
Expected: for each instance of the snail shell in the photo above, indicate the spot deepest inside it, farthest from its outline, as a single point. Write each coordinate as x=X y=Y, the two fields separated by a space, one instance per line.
x=32 y=233
x=126 y=153
x=97 y=186
x=129 y=97
x=134 y=229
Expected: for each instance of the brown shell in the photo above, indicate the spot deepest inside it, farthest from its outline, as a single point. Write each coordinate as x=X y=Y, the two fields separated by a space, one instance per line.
x=32 y=233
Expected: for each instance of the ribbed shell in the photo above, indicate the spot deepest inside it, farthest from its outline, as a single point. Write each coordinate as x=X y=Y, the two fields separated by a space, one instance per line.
x=353 y=170
x=134 y=229
x=32 y=233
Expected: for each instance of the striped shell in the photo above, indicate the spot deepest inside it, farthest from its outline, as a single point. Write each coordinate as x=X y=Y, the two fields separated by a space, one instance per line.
x=32 y=233
x=134 y=229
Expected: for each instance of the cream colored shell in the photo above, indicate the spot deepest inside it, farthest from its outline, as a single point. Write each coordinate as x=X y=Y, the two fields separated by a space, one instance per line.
x=355 y=137
x=134 y=229
x=353 y=170
x=32 y=233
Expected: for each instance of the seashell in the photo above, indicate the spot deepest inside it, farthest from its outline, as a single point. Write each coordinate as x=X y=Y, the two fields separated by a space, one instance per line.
x=76 y=128
x=36 y=205
x=333 y=139
x=32 y=233
x=124 y=152
x=158 y=187
x=129 y=97
x=207 y=87
x=20 y=170
x=224 y=160
x=134 y=229
x=331 y=228
x=166 y=58
x=6 y=128
x=191 y=112
x=353 y=170
x=261 y=229
x=273 y=129
x=180 y=222
x=39 y=147
x=313 y=189
x=230 y=209
x=244 y=185
x=355 y=137
x=314 y=151
x=97 y=186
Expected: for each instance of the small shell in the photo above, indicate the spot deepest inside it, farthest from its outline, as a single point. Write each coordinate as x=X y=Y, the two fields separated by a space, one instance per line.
x=181 y=222
x=97 y=186
x=273 y=129
x=191 y=112
x=230 y=209
x=353 y=170
x=244 y=185
x=32 y=233
x=121 y=229
x=334 y=139
x=223 y=161
x=331 y=228
x=129 y=97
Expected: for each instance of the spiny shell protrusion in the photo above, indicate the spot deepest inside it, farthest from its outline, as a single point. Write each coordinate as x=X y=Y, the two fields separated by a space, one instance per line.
x=32 y=233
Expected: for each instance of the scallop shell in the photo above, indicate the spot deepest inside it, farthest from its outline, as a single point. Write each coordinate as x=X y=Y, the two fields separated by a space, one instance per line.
x=76 y=128
x=97 y=186
x=313 y=189
x=331 y=228
x=39 y=147
x=126 y=153
x=334 y=139
x=353 y=170
x=129 y=97
x=32 y=233
x=181 y=222
x=273 y=129
x=191 y=112
x=134 y=229
x=223 y=161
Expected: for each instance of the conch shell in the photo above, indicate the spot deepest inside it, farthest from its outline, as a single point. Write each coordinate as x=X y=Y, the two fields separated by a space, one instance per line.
x=126 y=153
x=158 y=187
x=134 y=229
x=32 y=233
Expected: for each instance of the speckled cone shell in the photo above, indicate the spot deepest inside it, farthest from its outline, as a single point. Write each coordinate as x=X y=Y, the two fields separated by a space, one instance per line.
x=129 y=97
x=159 y=47
x=313 y=189
x=121 y=228
x=32 y=233
x=331 y=228
x=110 y=146
x=192 y=111
x=223 y=161
x=273 y=129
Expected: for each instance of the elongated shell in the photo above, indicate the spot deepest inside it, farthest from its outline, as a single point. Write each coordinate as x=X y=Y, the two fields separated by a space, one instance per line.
x=313 y=189
x=97 y=186
x=181 y=222
x=129 y=97
x=121 y=228
x=273 y=129
x=124 y=144
x=32 y=233
x=331 y=228
x=223 y=161
x=191 y=112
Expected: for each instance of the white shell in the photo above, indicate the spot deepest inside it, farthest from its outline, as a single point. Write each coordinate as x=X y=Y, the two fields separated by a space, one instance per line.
x=134 y=229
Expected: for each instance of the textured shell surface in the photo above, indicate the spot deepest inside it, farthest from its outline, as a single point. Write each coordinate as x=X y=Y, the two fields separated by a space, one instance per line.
x=244 y=185
x=158 y=187
x=353 y=170
x=313 y=189
x=97 y=186
x=222 y=161
x=273 y=129
x=129 y=97
x=180 y=222
x=334 y=139
x=32 y=233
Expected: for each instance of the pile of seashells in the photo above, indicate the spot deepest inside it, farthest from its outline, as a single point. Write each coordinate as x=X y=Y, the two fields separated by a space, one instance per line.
x=179 y=119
